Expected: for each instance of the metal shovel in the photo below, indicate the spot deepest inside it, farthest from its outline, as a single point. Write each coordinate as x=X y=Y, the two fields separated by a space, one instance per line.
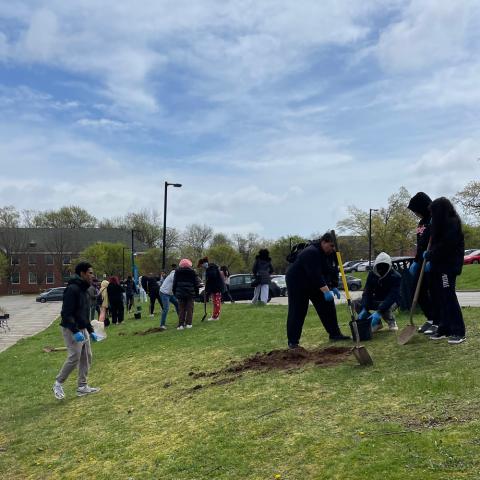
x=360 y=352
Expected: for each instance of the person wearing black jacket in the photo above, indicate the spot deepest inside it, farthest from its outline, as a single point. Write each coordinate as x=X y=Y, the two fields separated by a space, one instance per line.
x=313 y=277
x=445 y=263
x=185 y=288
x=262 y=269
x=77 y=331
x=214 y=286
x=115 y=298
x=381 y=294
x=153 y=291
x=130 y=291
x=420 y=205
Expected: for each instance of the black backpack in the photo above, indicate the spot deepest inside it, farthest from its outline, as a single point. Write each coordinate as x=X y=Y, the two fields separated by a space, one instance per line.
x=295 y=251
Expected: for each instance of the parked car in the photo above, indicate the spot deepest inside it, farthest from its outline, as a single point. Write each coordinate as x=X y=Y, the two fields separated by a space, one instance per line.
x=52 y=295
x=241 y=288
x=352 y=282
x=363 y=266
x=352 y=266
x=281 y=283
x=470 y=251
x=473 y=257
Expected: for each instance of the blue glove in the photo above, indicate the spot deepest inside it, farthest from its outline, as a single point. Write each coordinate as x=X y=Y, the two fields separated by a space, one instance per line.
x=336 y=292
x=328 y=296
x=375 y=318
x=78 y=337
x=363 y=314
x=428 y=267
x=413 y=268
x=94 y=337
x=426 y=254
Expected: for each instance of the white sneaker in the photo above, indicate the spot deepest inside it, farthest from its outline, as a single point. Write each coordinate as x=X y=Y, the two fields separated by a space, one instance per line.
x=189 y=326
x=163 y=327
x=86 y=390
x=58 y=391
x=152 y=315
x=392 y=326
x=180 y=327
x=211 y=319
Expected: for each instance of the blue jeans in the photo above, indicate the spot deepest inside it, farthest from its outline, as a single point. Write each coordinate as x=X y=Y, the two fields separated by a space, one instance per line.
x=166 y=300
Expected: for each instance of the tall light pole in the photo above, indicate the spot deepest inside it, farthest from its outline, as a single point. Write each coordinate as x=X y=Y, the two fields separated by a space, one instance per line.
x=370 y=237
x=123 y=262
x=164 y=241
x=133 y=254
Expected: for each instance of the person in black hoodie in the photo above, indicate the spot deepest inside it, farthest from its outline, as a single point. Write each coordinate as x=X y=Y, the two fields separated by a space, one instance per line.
x=153 y=290
x=313 y=277
x=445 y=262
x=77 y=331
x=420 y=205
x=262 y=269
x=130 y=290
x=115 y=298
x=214 y=286
x=185 y=288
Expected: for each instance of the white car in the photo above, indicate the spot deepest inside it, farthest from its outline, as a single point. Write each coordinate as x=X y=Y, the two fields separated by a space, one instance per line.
x=364 y=266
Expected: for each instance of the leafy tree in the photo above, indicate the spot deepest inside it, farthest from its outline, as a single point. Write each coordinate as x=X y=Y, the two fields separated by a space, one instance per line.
x=220 y=239
x=9 y=217
x=66 y=217
x=195 y=240
x=147 y=226
x=247 y=246
x=472 y=236
x=106 y=258
x=150 y=261
x=3 y=265
x=469 y=198
x=224 y=254
x=279 y=250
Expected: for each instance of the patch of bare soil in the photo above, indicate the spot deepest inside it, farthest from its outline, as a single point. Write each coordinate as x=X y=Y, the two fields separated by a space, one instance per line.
x=149 y=331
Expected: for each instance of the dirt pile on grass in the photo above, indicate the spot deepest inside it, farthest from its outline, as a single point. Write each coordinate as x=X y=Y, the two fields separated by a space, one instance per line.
x=150 y=331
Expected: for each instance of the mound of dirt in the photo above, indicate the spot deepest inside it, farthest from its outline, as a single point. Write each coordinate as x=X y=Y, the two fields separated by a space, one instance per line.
x=149 y=331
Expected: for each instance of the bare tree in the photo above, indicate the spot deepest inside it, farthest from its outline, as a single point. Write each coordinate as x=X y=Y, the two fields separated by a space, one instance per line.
x=196 y=237
x=66 y=217
x=469 y=198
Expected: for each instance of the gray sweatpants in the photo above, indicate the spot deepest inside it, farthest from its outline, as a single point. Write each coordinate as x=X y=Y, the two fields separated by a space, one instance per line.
x=79 y=353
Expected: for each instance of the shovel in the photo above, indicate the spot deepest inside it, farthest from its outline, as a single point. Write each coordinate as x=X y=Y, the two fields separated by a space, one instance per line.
x=204 y=306
x=409 y=331
x=360 y=352
x=49 y=349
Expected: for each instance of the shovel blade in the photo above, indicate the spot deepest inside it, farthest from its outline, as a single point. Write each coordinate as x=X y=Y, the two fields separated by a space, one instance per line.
x=362 y=355
x=407 y=334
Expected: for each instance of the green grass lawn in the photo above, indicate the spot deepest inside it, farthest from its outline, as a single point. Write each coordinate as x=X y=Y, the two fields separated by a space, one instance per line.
x=468 y=280
x=413 y=415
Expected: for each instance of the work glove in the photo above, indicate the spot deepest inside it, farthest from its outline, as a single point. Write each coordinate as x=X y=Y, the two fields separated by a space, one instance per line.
x=428 y=267
x=363 y=314
x=79 y=337
x=413 y=268
x=426 y=254
x=336 y=292
x=94 y=337
x=375 y=318
x=328 y=296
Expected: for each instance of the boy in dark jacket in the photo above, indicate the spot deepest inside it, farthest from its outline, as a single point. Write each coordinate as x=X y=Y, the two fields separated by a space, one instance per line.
x=77 y=331
x=185 y=288
x=214 y=286
x=313 y=277
x=262 y=269
x=381 y=293
x=420 y=206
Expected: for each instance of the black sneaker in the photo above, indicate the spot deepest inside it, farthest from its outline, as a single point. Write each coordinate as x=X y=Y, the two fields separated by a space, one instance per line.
x=437 y=336
x=292 y=346
x=455 y=339
x=432 y=330
x=425 y=326
x=339 y=337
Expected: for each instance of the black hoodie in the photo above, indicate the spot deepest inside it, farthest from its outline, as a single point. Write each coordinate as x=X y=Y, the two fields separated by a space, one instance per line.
x=420 y=204
x=76 y=306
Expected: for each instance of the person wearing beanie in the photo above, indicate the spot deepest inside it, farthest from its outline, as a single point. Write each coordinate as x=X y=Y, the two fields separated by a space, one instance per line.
x=185 y=288
x=214 y=286
x=381 y=294
x=262 y=269
x=420 y=205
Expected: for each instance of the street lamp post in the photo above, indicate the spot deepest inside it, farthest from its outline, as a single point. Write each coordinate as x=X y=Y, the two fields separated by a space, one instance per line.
x=133 y=254
x=370 y=237
x=178 y=185
x=123 y=263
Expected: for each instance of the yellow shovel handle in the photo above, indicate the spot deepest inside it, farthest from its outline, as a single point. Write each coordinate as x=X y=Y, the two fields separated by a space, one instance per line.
x=344 y=278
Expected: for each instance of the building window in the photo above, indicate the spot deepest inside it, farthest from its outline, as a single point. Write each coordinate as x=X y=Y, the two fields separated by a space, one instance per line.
x=32 y=259
x=49 y=259
x=67 y=260
x=15 y=278
x=15 y=260
x=50 y=278
x=32 y=278
x=66 y=277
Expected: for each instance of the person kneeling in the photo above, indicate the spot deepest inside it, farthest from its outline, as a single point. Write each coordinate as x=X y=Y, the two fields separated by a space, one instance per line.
x=381 y=294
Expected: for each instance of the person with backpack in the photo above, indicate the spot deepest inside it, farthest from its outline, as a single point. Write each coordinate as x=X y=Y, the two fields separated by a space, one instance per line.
x=153 y=290
x=445 y=263
x=420 y=206
x=313 y=276
x=262 y=269
x=214 y=286
x=115 y=298
x=185 y=288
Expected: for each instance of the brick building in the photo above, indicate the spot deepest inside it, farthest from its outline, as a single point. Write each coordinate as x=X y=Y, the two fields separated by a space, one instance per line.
x=41 y=258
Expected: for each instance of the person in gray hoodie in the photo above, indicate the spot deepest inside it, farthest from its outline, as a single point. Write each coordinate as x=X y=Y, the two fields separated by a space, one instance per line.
x=381 y=294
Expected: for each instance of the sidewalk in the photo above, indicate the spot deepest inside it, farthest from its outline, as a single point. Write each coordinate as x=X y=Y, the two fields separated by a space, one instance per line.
x=27 y=317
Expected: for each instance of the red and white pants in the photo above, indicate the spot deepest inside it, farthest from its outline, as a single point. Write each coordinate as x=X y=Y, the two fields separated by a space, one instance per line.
x=217 y=304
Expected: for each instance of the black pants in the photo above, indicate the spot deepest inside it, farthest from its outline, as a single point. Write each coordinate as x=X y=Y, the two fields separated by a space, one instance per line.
x=155 y=295
x=298 y=299
x=130 y=302
x=444 y=297
x=116 y=310
x=227 y=293
x=425 y=298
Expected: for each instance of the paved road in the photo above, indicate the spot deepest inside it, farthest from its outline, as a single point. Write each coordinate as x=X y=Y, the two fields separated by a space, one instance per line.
x=27 y=318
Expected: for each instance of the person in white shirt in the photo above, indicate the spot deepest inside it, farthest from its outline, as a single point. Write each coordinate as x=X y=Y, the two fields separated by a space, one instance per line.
x=167 y=296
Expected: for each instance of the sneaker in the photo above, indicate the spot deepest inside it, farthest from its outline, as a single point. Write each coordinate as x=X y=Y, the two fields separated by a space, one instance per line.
x=211 y=319
x=189 y=326
x=180 y=327
x=339 y=337
x=377 y=327
x=86 y=390
x=432 y=330
x=437 y=336
x=426 y=326
x=152 y=315
x=163 y=327
x=58 y=391
x=455 y=339
x=292 y=346
x=392 y=326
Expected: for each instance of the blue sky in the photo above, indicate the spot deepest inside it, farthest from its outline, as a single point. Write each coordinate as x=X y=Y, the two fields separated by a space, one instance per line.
x=274 y=115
